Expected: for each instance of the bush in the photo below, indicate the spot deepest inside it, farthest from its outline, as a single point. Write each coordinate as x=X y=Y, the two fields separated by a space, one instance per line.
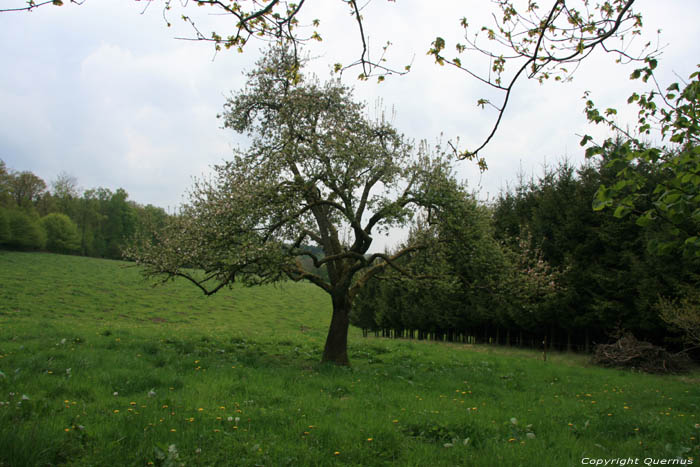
x=683 y=313
x=25 y=232
x=61 y=232
x=628 y=352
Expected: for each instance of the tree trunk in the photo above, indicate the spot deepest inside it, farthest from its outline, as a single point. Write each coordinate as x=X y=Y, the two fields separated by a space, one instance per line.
x=336 y=349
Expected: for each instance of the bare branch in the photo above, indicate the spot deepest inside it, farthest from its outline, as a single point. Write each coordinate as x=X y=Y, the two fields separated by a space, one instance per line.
x=31 y=5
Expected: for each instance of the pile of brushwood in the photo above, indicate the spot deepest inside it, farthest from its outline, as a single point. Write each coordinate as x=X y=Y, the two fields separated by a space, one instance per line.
x=628 y=352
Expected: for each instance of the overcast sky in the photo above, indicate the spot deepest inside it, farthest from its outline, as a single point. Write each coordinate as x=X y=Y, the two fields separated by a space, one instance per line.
x=108 y=95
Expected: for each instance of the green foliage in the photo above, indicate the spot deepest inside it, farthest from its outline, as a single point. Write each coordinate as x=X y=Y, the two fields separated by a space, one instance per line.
x=456 y=282
x=607 y=277
x=665 y=194
x=103 y=220
x=683 y=313
x=26 y=233
x=316 y=167
x=5 y=197
x=61 y=232
x=26 y=189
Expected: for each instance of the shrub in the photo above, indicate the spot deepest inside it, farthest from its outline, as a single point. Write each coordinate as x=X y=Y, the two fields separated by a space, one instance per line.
x=25 y=232
x=683 y=313
x=61 y=232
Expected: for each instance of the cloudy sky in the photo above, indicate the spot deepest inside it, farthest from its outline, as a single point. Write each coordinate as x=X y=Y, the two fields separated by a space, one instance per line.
x=109 y=95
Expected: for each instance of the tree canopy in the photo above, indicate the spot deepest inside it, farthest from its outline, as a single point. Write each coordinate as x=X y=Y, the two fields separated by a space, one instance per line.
x=318 y=172
x=666 y=194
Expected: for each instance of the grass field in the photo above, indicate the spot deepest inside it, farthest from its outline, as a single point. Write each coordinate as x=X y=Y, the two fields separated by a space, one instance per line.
x=100 y=368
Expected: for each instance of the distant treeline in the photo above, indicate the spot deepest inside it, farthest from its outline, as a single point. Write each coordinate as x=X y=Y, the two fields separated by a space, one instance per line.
x=96 y=222
x=536 y=265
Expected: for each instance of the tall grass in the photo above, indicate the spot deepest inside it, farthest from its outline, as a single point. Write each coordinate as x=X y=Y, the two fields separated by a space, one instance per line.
x=101 y=368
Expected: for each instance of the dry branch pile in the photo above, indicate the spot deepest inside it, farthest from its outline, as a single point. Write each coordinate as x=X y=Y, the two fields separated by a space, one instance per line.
x=628 y=352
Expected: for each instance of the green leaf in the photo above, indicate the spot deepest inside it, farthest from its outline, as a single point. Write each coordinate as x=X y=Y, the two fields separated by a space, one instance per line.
x=646 y=219
x=622 y=211
x=602 y=199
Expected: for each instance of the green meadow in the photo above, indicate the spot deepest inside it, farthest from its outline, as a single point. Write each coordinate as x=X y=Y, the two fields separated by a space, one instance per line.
x=100 y=367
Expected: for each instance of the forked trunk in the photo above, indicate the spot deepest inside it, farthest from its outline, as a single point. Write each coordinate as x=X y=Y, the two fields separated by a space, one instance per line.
x=336 y=349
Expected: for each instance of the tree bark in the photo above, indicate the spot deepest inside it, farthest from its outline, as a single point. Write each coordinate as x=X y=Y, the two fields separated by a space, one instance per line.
x=336 y=349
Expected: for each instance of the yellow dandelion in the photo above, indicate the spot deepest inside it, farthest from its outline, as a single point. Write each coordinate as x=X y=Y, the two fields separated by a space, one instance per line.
x=395 y=421
x=66 y=430
x=200 y=409
x=369 y=439
x=336 y=453
x=165 y=406
x=173 y=430
x=132 y=403
x=116 y=410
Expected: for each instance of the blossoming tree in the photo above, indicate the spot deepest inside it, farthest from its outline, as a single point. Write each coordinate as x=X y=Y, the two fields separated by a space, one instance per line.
x=317 y=173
